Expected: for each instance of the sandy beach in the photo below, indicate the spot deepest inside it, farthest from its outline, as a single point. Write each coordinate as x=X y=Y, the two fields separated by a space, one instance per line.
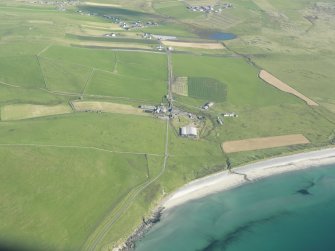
x=225 y=180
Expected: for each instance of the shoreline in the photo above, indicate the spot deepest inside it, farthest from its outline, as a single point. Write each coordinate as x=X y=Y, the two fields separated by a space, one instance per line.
x=227 y=180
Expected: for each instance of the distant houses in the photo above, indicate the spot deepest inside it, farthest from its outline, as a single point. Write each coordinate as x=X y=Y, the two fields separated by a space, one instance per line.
x=160 y=48
x=220 y=121
x=210 y=8
x=230 y=114
x=188 y=131
x=162 y=37
x=148 y=108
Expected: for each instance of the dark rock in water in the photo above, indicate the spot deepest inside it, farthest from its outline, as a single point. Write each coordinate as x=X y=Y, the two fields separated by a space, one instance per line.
x=156 y=217
x=142 y=229
x=304 y=192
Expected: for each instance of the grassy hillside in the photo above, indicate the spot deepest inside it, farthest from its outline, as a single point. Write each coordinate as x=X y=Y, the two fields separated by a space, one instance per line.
x=84 y=180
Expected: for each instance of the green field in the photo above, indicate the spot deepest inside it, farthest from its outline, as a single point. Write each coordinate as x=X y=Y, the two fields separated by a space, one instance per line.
x=243 y=86
x=58 y=201
x=23 y=71
x=85 y=180
x=64 y=76
x=207 y=88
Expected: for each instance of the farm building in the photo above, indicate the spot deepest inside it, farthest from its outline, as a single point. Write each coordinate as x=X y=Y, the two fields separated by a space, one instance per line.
x=189 y=131
x=220 y=121
x=161 y=37
x=229 y=114
x=148 y=108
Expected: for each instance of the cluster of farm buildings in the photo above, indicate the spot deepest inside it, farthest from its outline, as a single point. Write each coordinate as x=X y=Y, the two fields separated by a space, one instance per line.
x=191 y=131
x=210 y=8
x=130 y=25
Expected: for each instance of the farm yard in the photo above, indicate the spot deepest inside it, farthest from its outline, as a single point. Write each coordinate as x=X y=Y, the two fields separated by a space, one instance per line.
x=82 y=164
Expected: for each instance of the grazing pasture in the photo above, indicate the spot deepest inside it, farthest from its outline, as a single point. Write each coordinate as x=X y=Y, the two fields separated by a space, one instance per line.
x=23 y=71
x=26 y=111
x=115 y=132
x=308 y=74
x=55 y=197
x=64 y=76
x=243 y=85
x=136 y=75
x=82 y=106
x=127 y=87
x=93 y=58
x=272 y=80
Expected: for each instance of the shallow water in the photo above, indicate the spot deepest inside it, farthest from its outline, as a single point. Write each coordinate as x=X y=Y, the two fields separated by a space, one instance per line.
x=292 y=211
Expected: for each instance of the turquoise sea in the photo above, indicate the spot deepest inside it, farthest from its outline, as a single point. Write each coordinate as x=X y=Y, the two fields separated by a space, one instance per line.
x=292 y=212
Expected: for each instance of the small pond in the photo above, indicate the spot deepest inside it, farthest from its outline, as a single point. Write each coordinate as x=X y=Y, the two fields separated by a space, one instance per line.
x=222 y=36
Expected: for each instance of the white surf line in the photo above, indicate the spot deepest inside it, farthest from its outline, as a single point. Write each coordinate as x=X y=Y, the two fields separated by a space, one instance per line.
x=80 y=147
x=225 y=180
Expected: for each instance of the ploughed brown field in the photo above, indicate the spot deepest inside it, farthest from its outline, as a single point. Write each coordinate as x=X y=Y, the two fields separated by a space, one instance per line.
x=263 y=143
x=209 y=46
x=272 y=80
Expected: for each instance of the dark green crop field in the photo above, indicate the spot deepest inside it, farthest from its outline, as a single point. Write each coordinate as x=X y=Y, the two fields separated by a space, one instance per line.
x=207 y=88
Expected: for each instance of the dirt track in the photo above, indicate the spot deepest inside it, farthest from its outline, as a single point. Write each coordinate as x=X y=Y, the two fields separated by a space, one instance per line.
x=107 y=107
x=113 y=45
x=272 y=80
x=209 y=46
x=263 y=143
x=102 y=4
